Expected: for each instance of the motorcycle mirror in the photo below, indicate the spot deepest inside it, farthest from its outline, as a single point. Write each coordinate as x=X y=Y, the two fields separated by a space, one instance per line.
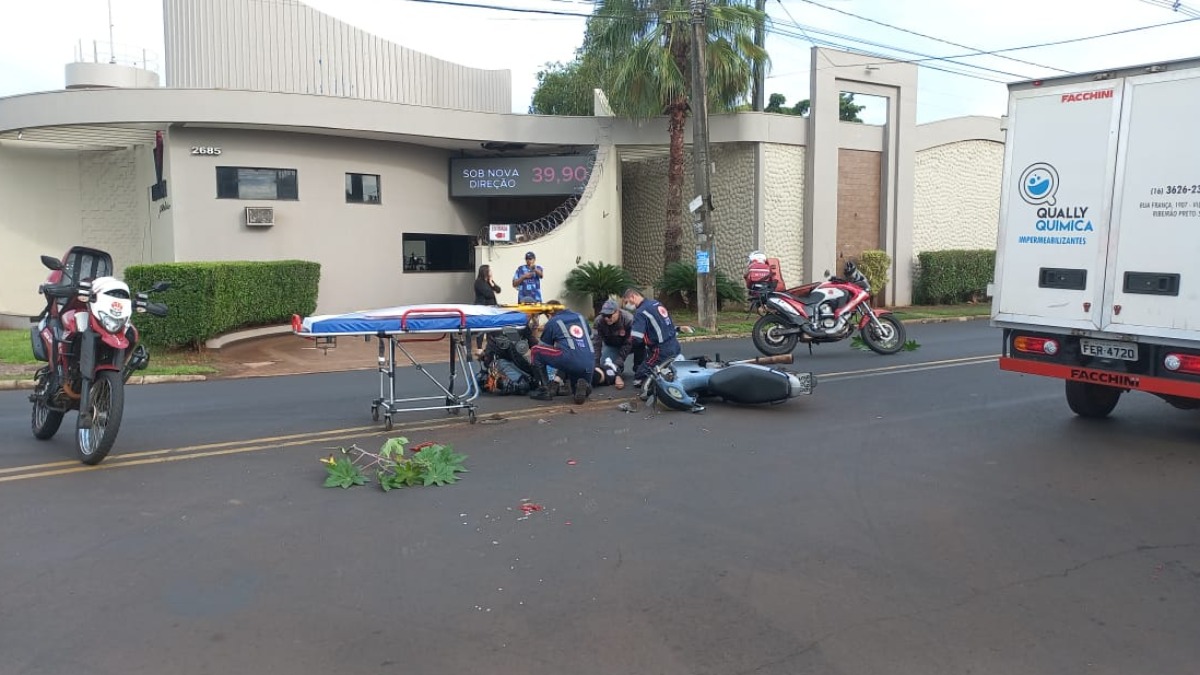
x=52 y=263
x=826 y=273
x=160 y=286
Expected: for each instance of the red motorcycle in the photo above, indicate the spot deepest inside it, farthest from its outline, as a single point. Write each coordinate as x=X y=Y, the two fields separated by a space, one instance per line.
x=90 y=348
x=824 y=311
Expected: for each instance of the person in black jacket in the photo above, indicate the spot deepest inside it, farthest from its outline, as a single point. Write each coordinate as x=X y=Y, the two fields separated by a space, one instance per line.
x=485 y=288
x=485 y=294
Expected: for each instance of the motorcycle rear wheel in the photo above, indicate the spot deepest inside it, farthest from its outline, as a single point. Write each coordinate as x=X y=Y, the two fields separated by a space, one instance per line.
x=106 y=405
x=768 y=338
x=45 y=421
x=887 y=338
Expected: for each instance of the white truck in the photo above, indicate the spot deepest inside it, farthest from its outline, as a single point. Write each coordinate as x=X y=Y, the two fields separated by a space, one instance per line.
x=1097 y=278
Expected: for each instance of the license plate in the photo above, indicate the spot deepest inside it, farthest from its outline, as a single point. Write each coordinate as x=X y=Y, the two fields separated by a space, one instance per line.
x=1107 y=349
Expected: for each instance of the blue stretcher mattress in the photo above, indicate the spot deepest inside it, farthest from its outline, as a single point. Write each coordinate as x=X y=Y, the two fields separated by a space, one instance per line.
x=411 y=319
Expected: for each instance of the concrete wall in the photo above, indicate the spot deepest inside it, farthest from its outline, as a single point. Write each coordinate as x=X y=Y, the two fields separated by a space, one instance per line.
x=735 y=197
x=286 y=46
x=592 y=233
x=957 y=181
x=783 y=208
x=358 y=245
x=55 y=199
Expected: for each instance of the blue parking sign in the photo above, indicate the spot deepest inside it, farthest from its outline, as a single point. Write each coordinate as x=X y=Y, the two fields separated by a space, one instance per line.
x=702 y=262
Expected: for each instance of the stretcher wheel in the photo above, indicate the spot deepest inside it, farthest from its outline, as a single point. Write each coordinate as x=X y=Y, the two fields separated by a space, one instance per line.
x=374 y=413
x=387 y=423
x=471 y=415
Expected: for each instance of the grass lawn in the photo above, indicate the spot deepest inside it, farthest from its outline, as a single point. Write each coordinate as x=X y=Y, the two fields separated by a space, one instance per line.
x=15 y=351
x=942 y=311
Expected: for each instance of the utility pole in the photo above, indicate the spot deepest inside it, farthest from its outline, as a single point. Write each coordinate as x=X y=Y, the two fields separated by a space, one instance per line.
x=706 y=278
x=760 y=80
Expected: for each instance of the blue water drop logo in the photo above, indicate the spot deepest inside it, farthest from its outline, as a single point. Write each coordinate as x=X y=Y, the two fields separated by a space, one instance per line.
x=1039 y=183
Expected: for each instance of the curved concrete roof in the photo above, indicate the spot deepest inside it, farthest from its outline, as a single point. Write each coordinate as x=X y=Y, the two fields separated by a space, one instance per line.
x=81 y=117
x=455 y=129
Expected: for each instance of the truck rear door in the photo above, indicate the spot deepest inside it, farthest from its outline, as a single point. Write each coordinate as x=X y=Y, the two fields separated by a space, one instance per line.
x=1153 y=288
x=1059 y=165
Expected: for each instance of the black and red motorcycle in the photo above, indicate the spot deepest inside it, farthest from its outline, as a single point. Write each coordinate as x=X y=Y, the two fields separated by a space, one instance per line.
x=824 y=311
x=90 y=348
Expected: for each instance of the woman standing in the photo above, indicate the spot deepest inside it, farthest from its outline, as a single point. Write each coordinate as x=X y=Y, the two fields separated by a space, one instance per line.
x=485 y=294
x=485 y=288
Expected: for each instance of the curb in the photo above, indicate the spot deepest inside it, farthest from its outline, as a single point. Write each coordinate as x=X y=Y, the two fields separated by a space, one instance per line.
x=9 y=385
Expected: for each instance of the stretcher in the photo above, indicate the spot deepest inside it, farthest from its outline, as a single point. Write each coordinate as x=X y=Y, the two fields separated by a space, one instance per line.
x=393 y=327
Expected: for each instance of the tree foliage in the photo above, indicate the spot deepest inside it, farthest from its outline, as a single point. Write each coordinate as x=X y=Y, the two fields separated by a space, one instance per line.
x=639 y=53
x=847 y=109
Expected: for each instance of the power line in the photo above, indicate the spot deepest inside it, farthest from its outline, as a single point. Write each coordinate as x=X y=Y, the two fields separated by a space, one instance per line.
x=808 y=30
x=874 y=54
x=1174 y=6
x=929 y=37
x=1068 y=41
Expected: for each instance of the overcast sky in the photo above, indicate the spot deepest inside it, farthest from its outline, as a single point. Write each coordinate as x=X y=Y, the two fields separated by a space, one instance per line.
x=37 y=39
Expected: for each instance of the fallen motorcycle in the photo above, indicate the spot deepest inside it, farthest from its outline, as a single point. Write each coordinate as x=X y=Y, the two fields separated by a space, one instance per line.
x=683 y=383
x=825 y=311
x=90 y=348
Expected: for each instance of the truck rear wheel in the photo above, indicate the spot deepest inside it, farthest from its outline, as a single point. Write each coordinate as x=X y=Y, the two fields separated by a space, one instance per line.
x=1092 y=400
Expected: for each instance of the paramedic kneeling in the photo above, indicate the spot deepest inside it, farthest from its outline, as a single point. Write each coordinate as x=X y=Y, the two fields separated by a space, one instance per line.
x=652 y=325
x=566 y=345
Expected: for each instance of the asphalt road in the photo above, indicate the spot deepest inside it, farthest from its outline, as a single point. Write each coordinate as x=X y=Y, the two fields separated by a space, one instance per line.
x=922 y=513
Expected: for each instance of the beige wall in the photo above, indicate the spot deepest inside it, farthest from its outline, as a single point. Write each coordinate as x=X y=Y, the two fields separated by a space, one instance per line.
x=783 y=209
x=40 y=193
x=286 y=46
x=592 y=233
x=55 y=199
x=965 y=215
x=358 y=245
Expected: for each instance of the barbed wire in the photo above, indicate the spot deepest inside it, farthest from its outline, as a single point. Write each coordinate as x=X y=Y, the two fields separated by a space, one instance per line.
x=535 y=229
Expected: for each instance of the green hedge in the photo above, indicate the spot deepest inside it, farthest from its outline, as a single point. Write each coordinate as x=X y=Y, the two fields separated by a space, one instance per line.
x=949 y=277
x=874 y=264
x=207 y=299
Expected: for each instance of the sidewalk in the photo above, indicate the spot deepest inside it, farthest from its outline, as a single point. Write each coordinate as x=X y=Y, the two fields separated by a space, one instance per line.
x=294 y=355
x=288 y=354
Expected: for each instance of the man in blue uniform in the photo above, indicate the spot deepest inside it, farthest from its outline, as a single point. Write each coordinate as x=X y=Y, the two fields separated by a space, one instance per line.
x=566 y=345
x=528 y=280
x=652 y=326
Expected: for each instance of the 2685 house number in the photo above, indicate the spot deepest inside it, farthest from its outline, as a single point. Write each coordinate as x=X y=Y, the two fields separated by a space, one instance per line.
x=205 y=150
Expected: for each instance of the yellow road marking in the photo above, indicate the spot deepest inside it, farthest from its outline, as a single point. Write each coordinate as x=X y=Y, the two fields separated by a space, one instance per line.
x=237 y=447
x=965 y=361
x=333 y=435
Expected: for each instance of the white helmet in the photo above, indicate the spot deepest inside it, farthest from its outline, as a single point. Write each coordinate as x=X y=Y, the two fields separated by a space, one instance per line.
x=757 y=257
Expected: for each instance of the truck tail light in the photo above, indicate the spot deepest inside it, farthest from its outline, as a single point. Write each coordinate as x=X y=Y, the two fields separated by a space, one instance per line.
x=1036 y=345
x=1182 y=363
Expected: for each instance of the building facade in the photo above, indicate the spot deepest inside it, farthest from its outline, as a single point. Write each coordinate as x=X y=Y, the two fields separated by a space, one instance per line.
x=337 y=147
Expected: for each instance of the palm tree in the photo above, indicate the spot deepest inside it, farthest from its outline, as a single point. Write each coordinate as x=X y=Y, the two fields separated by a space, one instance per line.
x=645 y=48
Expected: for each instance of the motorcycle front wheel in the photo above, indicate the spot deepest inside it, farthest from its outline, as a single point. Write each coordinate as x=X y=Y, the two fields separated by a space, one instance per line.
x=105 y=404
x=886 y=338
x=769 y=337
x=45 y=421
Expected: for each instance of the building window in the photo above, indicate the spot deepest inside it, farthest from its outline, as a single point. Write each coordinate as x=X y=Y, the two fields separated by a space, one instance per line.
x=362 y=188
x=237 y=182
x=439 y=253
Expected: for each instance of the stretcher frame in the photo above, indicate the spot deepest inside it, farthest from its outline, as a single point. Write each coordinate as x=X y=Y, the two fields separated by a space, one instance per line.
x=391 y=341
